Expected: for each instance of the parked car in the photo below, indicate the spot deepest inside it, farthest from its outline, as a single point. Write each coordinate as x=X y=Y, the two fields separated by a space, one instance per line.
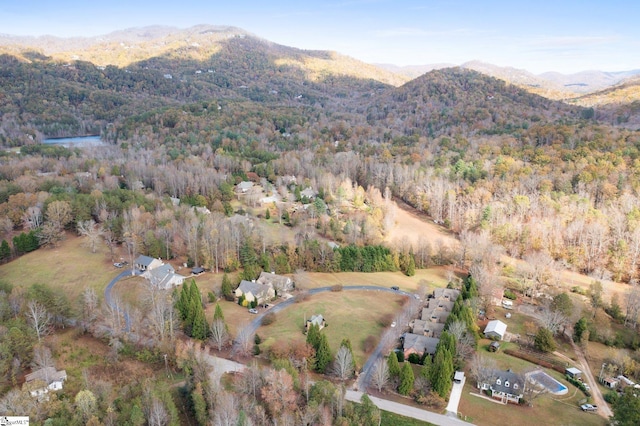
x=118 y=265
x=589 y=407
x=395 y=288
x=393 y=324
x=253 y=311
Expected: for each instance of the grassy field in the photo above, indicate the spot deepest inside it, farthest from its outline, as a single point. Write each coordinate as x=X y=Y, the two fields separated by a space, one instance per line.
x=435 y=277
x=392 y=419
x=546 y=410
x=349 y=314
x=69 y=268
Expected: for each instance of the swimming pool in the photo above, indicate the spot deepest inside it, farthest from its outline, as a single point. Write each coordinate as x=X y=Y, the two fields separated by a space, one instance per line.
x=554 y=386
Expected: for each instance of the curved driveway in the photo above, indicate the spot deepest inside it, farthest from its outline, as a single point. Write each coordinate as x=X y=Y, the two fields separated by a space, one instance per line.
x=365 y=374
x=109 y=300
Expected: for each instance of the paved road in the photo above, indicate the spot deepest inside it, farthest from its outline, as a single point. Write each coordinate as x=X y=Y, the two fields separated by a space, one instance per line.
x=408 y=411
x=109 y=300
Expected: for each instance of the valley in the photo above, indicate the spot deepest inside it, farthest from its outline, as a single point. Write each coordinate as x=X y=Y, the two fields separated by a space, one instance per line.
x=247 y=174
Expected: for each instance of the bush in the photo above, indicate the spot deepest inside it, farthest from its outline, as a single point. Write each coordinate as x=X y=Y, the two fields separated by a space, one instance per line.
x=369 y=344
x=400 y=356
x=579 y=290
x=611 y=397
x=257 y=339
x=256 y=350
x=578 y=384
x=268 y=319
x=302 y=296
x=336 y=288
x=414 y=358
x=508 y=294
x=212 y=297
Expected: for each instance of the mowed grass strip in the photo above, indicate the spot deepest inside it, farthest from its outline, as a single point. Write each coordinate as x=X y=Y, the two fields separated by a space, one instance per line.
x=435 y=277
x=69 y=268
x=349 y=314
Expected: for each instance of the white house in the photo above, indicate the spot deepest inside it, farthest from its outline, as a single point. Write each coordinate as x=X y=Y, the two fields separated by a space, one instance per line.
x=281 y=283
x=495 y=329
x=45 y=379
x=505 y=386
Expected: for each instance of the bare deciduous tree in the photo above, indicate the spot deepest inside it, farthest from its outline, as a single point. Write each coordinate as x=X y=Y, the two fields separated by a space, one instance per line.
x=219 y=333
x=89 y=307
x=464 y=341
x=92 y=231
x=158 y=415
x=343 y=364
x=380 y=376
x=226 y=410
x=532 y=390
x=552 y=319
x=482 y=369
x=244 y=341
x=39 y=318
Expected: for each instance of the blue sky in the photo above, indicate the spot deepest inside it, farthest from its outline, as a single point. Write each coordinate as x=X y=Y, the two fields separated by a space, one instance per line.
x=539 y=36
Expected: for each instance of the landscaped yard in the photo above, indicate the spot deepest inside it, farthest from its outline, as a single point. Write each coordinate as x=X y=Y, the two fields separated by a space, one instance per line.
x=546 y=410
x=391 y=419
x=349 y=314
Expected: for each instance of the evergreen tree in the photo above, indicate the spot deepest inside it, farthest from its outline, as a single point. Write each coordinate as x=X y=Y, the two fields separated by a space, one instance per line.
x=267 y=214
x=411 y=266
x=394 y=367
x=442 y=372
x=544 y=340
x=5 y=251
x=406 y=379
x=323 y=354
x=218 y=315
x=199 y=328
x=313 y=336
x=227 y=291
x=579 y=328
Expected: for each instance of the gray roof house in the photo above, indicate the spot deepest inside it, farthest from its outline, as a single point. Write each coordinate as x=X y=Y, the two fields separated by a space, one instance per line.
x=506 y=386
x=251 y=291
x=244 y=186
x=308 y=192
x=164 y=277
x=281 y=283
x=418 y=344
x=446 y=293
x=45 y=379
x=145 y=263
x=428 y=328
x=315 y=320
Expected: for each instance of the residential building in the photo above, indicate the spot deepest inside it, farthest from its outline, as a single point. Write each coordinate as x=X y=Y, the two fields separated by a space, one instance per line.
x=251 y=291
x=505 y=386
x=495 y=329
x=41 y=381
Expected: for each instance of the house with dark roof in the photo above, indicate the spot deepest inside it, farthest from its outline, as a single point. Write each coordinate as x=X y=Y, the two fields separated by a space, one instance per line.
x=418 y=344
x=446 y=293
x=146 y=263
x=427 y=328
x=505 y=386
x=280 y=283
x=251 y=291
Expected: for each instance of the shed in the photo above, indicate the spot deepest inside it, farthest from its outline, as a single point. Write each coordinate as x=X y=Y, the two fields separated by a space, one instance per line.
x=494 y=346
x=573 y=372
x=495 y=329
x=197 y=270
x=610 y=382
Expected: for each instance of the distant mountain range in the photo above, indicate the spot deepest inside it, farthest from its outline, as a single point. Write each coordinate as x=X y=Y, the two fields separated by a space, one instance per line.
x=122 y=48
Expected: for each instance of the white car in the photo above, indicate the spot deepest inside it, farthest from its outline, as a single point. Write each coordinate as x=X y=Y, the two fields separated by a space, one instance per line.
x=393 y=324
x=253 y=311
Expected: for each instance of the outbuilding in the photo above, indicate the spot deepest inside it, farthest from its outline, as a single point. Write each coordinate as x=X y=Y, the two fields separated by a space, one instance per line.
x=574 y=373
x=495 y=329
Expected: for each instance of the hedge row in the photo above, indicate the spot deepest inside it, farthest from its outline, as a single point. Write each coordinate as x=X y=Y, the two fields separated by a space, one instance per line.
x=533 y=359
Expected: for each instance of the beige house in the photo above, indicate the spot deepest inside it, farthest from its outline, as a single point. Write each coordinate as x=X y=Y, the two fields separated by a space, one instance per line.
x=261 y=293
x=315 y=320
x=280 y=283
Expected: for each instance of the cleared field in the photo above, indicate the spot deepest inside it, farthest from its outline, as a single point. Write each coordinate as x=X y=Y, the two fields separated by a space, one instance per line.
x=70 y=268
x=349 y=314
x=435 y=277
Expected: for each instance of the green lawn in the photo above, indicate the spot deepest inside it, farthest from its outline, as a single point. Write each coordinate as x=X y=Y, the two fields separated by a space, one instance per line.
x=349 y=314
x=392 y=419
x=546 y=410
x=69 y=268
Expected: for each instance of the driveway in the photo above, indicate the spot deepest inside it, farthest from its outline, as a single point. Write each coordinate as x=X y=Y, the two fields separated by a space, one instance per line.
x=408 y=411
x=109 y=299
x=454 y=398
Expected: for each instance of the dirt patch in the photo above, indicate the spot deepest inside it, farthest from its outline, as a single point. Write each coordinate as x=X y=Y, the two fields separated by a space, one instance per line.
x=412 y=225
